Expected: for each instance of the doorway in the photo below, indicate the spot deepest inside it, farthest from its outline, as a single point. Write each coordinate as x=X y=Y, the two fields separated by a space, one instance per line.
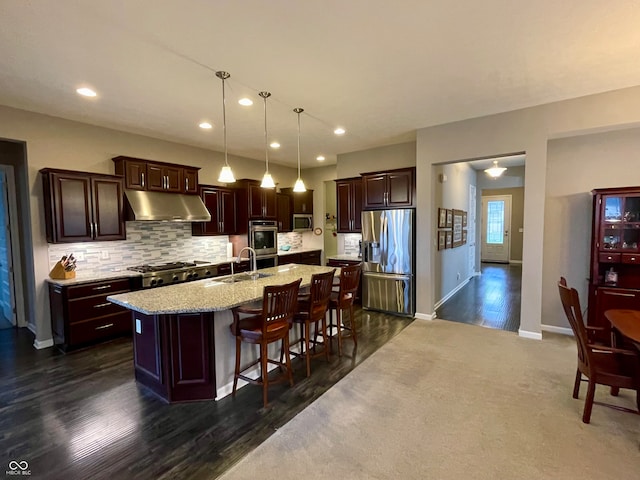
x=496 y=228
x=7 y=292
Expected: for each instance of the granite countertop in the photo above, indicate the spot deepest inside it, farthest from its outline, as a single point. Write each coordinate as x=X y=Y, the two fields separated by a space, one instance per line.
x=298 y=250
x=351 y=258
x=213 y=294
x=92 y=276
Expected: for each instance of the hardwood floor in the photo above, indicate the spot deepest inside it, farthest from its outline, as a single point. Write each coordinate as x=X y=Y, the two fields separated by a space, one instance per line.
x=490 y=300
x=82 y=415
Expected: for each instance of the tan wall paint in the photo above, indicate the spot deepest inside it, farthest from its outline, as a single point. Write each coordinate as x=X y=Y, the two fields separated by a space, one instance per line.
x=376 y=159
x=525 y=130
x=57 y=143
x=517 y=217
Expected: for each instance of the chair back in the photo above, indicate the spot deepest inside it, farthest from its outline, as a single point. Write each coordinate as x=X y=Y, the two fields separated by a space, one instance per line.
x=349 y=282
x=320 y=293
x=571 y=305
x=279 y=304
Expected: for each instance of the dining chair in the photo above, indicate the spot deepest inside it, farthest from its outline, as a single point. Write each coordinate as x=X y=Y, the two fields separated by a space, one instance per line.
x=264 y=326
x=343 y=300
x=312 y=309
x=600 y=364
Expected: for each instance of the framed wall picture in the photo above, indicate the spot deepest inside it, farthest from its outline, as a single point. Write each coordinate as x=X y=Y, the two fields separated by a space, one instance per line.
x=448 y=239
x=449 y=222
x=442 y=239
x=464 y=219
x=442 y=218
x=464 y=237
x=457 y=228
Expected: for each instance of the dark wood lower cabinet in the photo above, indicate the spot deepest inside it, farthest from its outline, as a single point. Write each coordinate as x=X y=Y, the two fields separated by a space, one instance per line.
x=174 y=355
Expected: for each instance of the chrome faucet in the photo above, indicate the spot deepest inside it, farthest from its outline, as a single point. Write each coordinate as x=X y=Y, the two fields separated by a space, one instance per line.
x=254 y=270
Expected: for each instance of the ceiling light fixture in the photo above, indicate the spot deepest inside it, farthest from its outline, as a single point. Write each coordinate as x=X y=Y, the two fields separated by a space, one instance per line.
x=339 y=131
x=299 y=186
x=86 y=92
x=267 y=180
x=274 y=145
x=226 y=175
x=205 y=126
x=495 y=171
x=245 y=102
x=320 y=158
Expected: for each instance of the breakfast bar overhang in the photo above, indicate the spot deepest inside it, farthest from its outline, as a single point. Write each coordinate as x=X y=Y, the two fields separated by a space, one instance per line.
x=183 y=349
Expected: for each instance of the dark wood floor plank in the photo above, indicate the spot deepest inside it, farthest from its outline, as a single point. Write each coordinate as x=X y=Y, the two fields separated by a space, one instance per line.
x=491 y=300
x=82 y=415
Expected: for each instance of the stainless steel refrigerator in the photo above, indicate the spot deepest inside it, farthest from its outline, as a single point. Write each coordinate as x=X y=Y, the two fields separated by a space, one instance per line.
x=388 y=254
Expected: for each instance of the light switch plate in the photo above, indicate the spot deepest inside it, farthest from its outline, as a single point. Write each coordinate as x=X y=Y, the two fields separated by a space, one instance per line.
x=104 y=255
x=79 y=256
x=138 y=326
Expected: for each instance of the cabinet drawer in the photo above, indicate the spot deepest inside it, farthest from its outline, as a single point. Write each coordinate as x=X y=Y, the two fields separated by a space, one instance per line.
x=631 y=258
x=609 y=257
x=310 y=258
x=91 y=289
x=104 y=327
x=92 y=307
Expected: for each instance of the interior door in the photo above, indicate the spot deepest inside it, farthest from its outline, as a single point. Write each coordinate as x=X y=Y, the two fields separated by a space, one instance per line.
x=7 y=297
x=496 y=228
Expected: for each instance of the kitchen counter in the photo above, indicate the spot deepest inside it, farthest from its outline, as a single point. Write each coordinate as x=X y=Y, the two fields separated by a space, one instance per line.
x=282 y=253
x=349 y=258
x=182 y=347
x=89 y=277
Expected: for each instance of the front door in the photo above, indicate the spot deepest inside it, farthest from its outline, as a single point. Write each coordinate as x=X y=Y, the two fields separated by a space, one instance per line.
x=496 y=226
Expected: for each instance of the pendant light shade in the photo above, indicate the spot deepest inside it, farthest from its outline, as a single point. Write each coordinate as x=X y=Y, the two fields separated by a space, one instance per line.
x=226 y=175
x=267 y=180
x=495 y=171
x=299 y=186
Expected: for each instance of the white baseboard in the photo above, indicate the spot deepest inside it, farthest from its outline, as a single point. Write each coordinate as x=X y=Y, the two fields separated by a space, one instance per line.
x=450 y=294
x=554 y=329
x=40 y=344
x=530 y=335
x=425 y=316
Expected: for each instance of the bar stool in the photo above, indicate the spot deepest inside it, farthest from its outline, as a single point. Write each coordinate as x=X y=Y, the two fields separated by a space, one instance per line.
x=266 y=325
x=343 y=300
x=312 y=308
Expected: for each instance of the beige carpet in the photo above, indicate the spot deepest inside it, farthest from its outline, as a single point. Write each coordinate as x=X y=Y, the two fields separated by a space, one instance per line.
x=446 y=400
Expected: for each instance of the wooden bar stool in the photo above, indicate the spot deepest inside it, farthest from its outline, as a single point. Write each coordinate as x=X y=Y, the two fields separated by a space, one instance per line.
x=343 y=300
x=265 y=326
x=312 y=309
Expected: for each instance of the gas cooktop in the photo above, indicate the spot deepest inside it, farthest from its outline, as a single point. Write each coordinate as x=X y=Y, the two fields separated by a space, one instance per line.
x=161 y=267
x=173 y=272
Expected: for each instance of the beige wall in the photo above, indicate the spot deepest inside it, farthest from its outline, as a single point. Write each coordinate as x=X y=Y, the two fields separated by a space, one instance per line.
x=376 y=159
x=58 y=143
x=517 y=217
x=526 y=130
x=576 y=166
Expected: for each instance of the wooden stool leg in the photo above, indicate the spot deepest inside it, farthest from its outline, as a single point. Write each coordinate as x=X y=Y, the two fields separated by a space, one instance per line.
x=307 y=349
x=288 y=359
x=339 y=323
x=354 y=333
x=324 y=337
x=576 y=384
x=330 y=336
x=588 y=403
x=235 y=376
x=264 y=372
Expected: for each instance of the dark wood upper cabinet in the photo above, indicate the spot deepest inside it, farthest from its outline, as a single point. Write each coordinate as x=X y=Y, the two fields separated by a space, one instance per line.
x=262 y=202
x=302 y=202
x=390 y=189
x=221 y=203
x=82 y=207
x=149 y=175
x=284 y=212
x=349 y=204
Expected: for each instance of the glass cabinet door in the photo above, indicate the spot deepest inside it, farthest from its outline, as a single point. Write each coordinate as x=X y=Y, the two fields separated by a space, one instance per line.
x=621 y=223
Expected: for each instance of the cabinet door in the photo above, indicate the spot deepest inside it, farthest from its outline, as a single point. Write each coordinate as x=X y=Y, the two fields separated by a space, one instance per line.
x=284 y=212
x=71 y=197
x=613 y=298
x=255 y=201
x=135 y=174
x=155 y=177
x=190 y=180
x=227 y=211
x=173 y=179
x=270 y=203
x=210 y=198
x=375 y=190
x=400 y=189
x=303 y=202
x=108 y=210
x=344 y=201
x=356 y=206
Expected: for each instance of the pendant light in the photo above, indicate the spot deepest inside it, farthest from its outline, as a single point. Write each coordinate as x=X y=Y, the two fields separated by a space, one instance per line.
x=226 y=175
x=267 y=180
x=495 y=171
x=299 y=186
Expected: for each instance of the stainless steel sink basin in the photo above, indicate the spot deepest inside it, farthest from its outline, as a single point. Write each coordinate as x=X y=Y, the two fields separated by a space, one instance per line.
x=242 y=277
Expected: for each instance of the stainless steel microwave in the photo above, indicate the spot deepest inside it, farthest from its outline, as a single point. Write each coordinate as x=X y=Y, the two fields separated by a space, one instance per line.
x=302 y=223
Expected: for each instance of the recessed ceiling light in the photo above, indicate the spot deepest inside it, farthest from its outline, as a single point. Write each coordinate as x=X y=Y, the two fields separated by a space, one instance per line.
x=247 y=102
x=86 y=92
x=274 y=145
x=320 y=158
x=205 y=125
x=339 y=131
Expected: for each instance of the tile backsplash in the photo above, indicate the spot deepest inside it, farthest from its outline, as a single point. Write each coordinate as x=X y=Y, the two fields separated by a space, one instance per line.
x=147 y=242
x=293 y=239
x=351 y=243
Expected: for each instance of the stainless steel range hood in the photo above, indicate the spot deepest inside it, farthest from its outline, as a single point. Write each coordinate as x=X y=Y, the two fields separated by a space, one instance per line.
x=160 y=206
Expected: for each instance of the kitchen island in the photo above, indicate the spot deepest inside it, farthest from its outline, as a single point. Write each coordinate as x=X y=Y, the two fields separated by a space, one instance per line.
x=182 y=346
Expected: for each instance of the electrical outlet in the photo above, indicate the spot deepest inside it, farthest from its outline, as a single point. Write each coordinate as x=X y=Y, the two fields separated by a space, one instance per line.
x=79 y=256
x=138 y=326
x=104 y=255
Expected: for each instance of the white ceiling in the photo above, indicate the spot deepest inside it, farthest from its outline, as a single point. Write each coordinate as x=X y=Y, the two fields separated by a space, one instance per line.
x=378 y=68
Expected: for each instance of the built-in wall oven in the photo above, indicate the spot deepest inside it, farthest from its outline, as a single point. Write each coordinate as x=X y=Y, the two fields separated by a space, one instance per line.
x=263 y=238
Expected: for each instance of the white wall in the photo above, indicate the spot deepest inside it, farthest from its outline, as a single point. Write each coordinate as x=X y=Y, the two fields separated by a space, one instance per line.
x=576 y=166
x=57 y=143
x=526 y=130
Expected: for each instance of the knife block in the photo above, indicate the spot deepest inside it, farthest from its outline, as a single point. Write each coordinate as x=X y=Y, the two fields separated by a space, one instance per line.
x=59 y=273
